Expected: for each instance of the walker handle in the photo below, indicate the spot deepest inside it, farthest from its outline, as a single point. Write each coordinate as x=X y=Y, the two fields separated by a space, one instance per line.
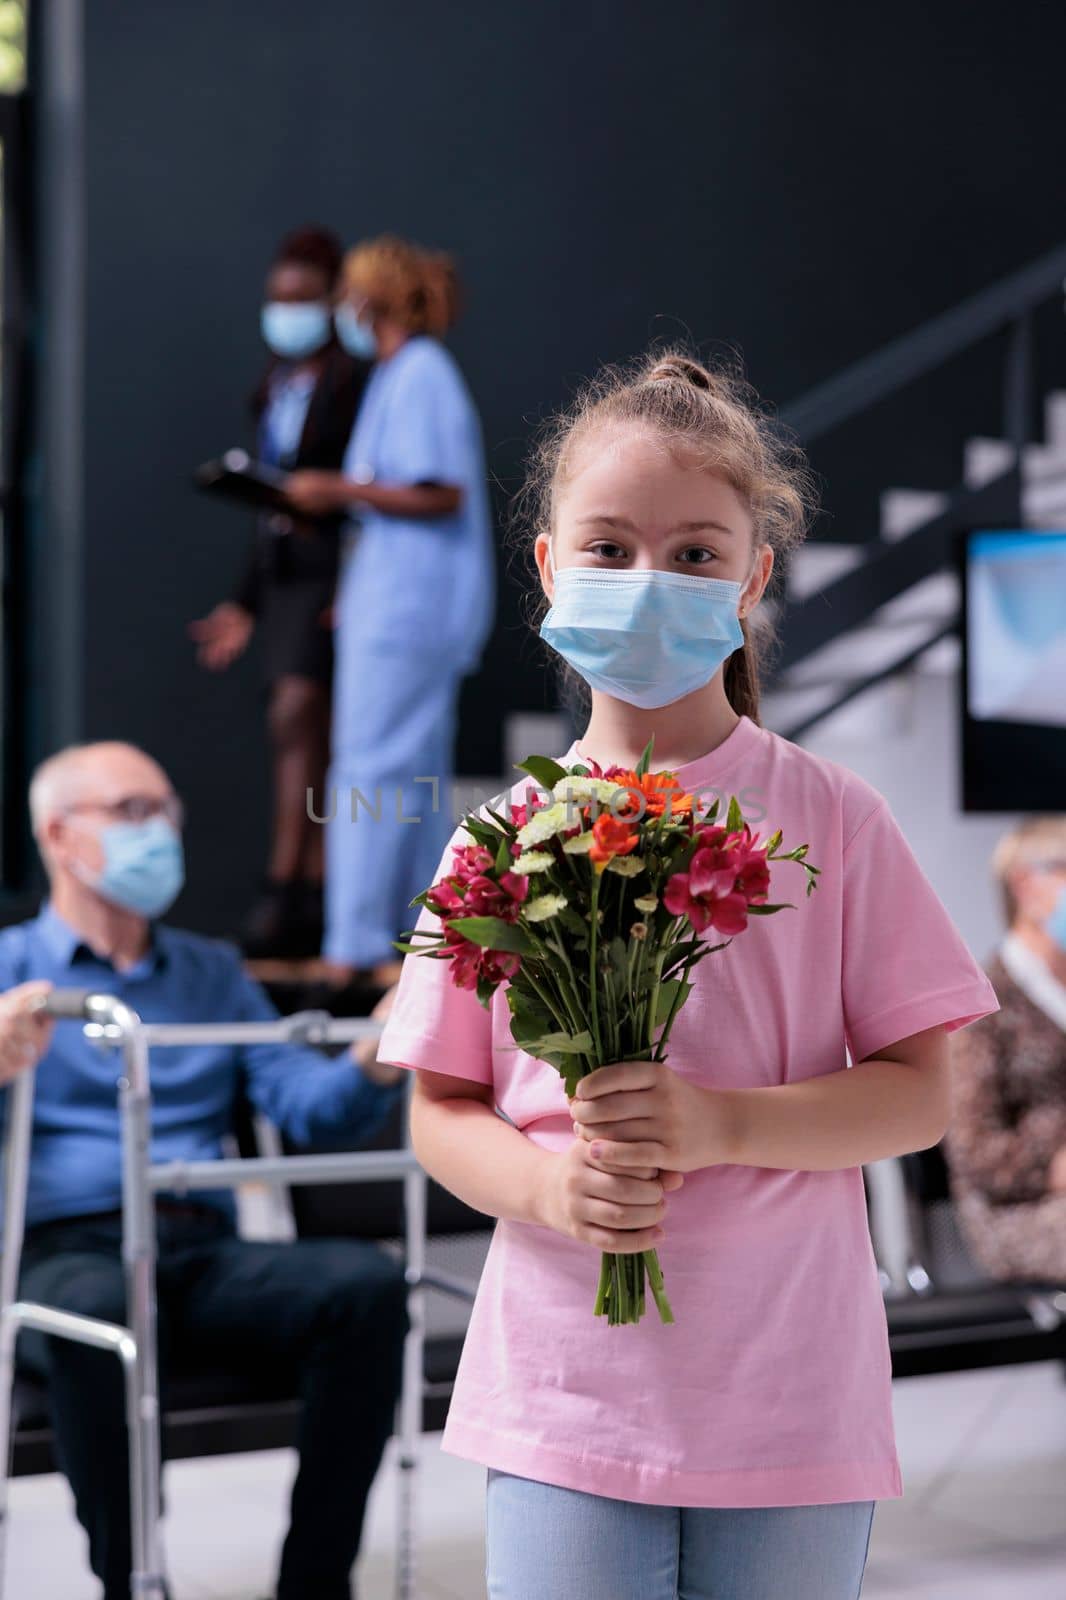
x=67 y=1003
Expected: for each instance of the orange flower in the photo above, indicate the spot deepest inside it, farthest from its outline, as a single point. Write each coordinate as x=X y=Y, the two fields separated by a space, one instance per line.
x=610 y=838
x=655 y=787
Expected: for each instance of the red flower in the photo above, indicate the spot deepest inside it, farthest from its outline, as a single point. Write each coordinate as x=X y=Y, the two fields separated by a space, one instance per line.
x=471 y=962
x=487 y=897
x=611 y=837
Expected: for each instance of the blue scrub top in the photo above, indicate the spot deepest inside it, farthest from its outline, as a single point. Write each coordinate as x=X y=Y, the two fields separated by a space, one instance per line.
x=422 y=581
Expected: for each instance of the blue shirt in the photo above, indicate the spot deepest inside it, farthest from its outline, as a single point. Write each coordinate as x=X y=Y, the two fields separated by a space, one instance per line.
x=75 y=1160
x=419 y=578
x=284 y=416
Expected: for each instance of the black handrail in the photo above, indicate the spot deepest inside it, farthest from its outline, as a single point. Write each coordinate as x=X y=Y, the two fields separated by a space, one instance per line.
x=1009 y=302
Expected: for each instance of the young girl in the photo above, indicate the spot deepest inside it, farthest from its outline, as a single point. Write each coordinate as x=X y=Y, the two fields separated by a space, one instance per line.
x=738 y=1452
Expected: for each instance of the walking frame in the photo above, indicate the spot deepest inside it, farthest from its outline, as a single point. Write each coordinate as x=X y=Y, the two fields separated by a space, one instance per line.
x=115 y=1025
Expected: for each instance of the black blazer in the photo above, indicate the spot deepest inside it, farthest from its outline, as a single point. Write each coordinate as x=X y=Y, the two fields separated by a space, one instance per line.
x=313 y=552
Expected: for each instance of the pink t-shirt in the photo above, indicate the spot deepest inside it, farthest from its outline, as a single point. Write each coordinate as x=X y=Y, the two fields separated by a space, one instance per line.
x=772 y=1387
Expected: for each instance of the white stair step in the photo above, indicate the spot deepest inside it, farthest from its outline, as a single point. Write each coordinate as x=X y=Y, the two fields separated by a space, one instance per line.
x=942 y=659
x=985 y=459
x=1055 y=419
x=882 y=711
x=819 y=563
x=1044 y=504
x=860 y=652
x=903 y=510
x=934 y=598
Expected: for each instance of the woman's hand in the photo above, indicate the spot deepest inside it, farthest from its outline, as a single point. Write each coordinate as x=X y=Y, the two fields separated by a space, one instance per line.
x=643 y=1114
x=222 y=635
x=25 y=1030
x=317 y=493
x=618 y=1211
x=365 y=1051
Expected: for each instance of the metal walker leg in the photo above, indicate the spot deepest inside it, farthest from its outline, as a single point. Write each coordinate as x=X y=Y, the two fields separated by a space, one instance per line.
x=134 y=1346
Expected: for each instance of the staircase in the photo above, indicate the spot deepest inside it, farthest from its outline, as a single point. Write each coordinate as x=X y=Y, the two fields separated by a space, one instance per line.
x=916 y=631
x=853 y=617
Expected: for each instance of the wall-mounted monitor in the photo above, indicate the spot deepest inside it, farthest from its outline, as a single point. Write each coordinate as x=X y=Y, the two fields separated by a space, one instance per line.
x=1013 y=681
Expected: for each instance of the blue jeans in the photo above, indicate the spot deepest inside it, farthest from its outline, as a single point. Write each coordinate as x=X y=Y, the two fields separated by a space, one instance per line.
x=548 y=1543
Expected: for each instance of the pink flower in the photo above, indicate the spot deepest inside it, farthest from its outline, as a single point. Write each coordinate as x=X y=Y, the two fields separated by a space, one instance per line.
x=726 y=875
x=468 y=860
x=444 y=898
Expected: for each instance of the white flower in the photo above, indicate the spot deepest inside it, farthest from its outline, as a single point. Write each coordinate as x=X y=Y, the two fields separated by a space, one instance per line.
x=579 y=791
x=534 y=861
x=544 y=825
x=628 y=866
x=579 y=845
x=543 y=907
x=647 y=902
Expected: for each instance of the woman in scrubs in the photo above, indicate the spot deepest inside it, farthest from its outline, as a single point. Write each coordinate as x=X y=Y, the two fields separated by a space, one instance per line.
x=415 y=601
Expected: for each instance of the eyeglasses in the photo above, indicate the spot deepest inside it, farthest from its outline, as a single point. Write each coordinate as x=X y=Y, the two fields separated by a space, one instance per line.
x=137 y=808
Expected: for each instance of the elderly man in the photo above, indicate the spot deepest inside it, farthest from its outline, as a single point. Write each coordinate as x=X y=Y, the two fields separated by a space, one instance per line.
x=1006 y=1145
x=331 y=1312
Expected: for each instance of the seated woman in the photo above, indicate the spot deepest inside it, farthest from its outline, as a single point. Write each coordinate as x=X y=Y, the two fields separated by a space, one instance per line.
x=1006 y=1145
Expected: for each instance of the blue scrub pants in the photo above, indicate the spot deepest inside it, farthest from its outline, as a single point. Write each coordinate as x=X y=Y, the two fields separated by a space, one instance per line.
x=394 y=718
x=549 y=1543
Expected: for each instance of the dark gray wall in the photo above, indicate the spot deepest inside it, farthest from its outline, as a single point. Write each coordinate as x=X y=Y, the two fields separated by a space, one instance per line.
x=803 y=182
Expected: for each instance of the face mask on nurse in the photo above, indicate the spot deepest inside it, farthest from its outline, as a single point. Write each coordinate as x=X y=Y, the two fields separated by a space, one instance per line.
x=293 y=329
x=355 y=335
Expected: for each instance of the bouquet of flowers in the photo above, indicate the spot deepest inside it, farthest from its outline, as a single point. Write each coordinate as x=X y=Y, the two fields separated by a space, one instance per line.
x=592 y=908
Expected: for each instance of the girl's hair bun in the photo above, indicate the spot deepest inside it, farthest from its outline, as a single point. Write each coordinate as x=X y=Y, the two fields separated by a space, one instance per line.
x=681 y=369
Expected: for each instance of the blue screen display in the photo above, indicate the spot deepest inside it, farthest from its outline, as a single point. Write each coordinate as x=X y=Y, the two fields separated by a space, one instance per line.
x=1016 y=633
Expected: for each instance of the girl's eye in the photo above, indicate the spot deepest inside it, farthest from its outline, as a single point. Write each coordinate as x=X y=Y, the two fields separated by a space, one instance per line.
x=700 y=552
x=606 y=549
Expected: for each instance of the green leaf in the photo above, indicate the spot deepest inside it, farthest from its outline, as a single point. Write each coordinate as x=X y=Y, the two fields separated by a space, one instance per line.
x=485 y=991
x=773 y=842
x=667 y=993
x=645 y=760
x=766 y=911
x=575 y=924
x=481 y=832
x=414 y=949
x=546 y=771
x=549 y=1045
x=734 y=816
x=508 y=828
x=503 y=856
x=493 y=934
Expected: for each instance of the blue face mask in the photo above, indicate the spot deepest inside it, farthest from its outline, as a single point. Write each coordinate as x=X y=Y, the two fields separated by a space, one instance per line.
x=358 y=338
x=647 y=637
x=294 y=328
x=1056 y=923
x=144 y=866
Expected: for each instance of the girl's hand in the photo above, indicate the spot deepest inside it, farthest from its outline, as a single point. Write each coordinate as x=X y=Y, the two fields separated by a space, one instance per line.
x=316 y=493
x=643 y=1114
x=616 y=1211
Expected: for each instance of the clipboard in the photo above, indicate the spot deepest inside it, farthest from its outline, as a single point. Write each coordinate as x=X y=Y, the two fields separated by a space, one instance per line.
x=237 y=476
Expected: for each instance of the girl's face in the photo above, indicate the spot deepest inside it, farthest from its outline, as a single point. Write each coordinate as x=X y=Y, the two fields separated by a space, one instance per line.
x=630 y=503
